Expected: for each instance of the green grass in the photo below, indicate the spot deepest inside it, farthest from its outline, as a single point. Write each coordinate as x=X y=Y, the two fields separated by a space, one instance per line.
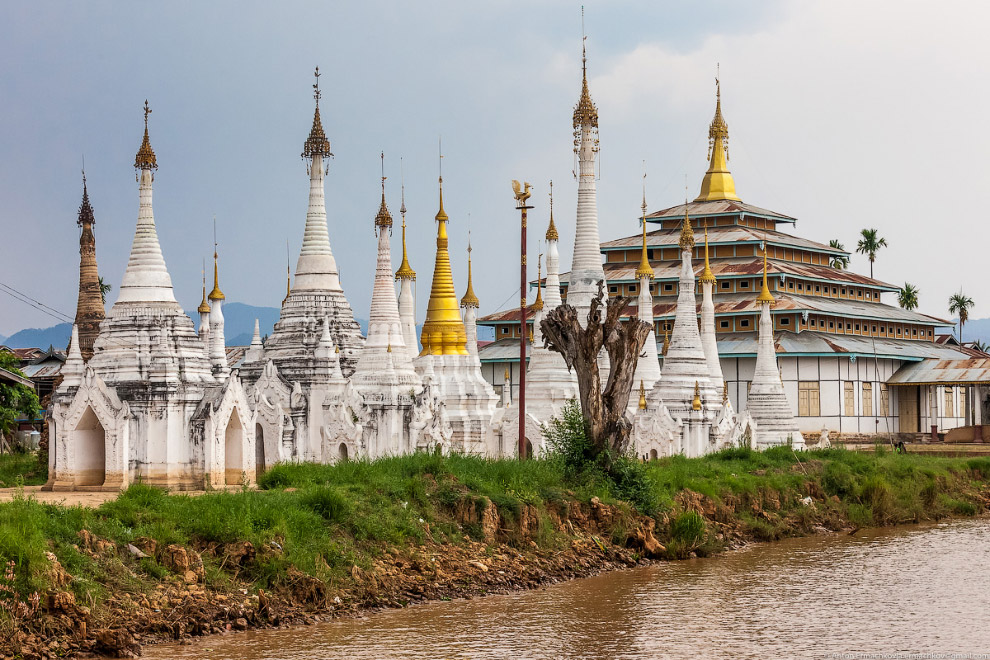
x=324 y=519
x=22 y=470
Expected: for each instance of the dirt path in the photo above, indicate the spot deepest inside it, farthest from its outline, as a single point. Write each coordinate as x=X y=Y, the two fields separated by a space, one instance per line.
x=88 y=499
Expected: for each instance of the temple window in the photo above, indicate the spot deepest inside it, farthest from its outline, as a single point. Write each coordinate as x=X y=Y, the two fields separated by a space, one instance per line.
x=632 y=288
x=726 y=284
x=743 y=284
x=744 y=323
x=809 y=399
x=867 y=399
x=668 y=287
x=613 y=288
x=785 y=321
x=724 y=325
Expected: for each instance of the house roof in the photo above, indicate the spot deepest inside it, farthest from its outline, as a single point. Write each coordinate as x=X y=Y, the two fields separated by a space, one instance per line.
x=934 y=371
x=726 y=235
x=741 y=267
x=11 y=377
x=715 y=208
x=803 y=344
x=745 y=303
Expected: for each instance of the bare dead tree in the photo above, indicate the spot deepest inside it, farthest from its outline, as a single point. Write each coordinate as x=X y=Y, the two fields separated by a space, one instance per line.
x=604 y=411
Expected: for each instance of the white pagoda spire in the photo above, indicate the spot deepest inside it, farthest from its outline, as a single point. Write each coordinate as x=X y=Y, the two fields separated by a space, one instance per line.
x=316 y=268
x=648 y=365
x=586 y=265
x=708 y=341
x=256 y=350
x=407 y=295
x=218 y=343
x=385 y=344
x=767 y=403
x=685 y=369
x=146 y=278
x=470 y=303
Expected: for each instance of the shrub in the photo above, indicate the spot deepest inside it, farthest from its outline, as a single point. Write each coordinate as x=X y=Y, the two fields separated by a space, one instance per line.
x=838 y=479
x=328 y=502
x=688 y=528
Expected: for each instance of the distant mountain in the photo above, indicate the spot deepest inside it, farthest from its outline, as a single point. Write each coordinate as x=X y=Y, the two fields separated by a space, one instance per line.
x=238 y=328
x=57 y=336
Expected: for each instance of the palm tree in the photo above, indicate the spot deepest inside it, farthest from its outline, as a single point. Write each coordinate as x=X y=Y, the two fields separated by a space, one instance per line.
x=104 y=290
x=838 y=261
x=870 y=244
x=981 y=346
x=907 y=296
x=960 y=304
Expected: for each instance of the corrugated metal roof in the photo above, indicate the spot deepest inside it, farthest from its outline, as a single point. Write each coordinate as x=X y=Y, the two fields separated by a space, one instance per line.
x=48 y=369
x=739 y=267
x=804 y=344
x=935 y=371
x=720 y=207
x=11 y=377
x=745 y=303
x=729 y=235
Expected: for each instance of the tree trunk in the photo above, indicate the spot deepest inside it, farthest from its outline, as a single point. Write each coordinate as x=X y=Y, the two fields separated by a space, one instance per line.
x=604 y=411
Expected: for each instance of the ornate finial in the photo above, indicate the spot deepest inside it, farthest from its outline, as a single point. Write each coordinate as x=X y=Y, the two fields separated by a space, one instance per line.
x=765 y=295
x=384 y=218
x=666 y=341
x=145 y=158
x=538 y=303
x=469 y=299
x=644 y=270
x=317 y=143
x=389 y=348
x=696 y=403
x=441 y=214
x=204 y=307
x=687 y=234
x=725 y=392
x=707 y=276
x=642 y=396
x=86 y=216
x=216 y=294
x=405 y=271
x=585 y=112
x=552 y=234
x=718 y=183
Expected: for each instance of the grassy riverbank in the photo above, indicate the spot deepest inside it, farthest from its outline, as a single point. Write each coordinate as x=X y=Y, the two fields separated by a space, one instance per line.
x=317 y=540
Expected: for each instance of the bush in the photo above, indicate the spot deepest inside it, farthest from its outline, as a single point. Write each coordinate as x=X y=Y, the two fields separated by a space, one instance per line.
x=328 y=502
x=688 y=528
x=838 y=479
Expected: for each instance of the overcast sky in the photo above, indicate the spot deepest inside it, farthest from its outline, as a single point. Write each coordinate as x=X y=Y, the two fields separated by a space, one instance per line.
x=843 y=114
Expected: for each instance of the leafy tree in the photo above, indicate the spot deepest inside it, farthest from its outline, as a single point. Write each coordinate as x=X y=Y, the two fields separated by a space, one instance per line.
x=870 y=244
x=960 y=305
x=838 y=261
x=104 y=290
x=907 y=296
x=16 y=401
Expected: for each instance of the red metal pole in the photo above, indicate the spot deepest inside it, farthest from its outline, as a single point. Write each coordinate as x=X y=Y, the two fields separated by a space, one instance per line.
x=522 y=337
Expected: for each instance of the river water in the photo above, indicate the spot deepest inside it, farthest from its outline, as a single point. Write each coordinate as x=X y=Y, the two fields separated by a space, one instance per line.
x=905 y=590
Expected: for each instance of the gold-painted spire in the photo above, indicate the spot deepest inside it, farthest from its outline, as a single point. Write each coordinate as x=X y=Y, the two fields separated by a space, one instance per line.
x=666 y=341
x=317 y=143
x=696 y=403
x=216 y=294
x=642 y=396
x=707 y=276
x=644 y=270
x=145 y=158
x=687 y=234
x=718 y=183
x=384 y=218
x=765 y=295
x=585 y=112
x=538 y=303
x=552 y=234
x=405 y=271
x=443 y=330
x=469 y=299
x=204 y=307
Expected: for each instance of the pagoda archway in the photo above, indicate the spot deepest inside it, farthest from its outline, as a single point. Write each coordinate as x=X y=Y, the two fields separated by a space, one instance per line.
x=234 y=450
x=90 y=449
